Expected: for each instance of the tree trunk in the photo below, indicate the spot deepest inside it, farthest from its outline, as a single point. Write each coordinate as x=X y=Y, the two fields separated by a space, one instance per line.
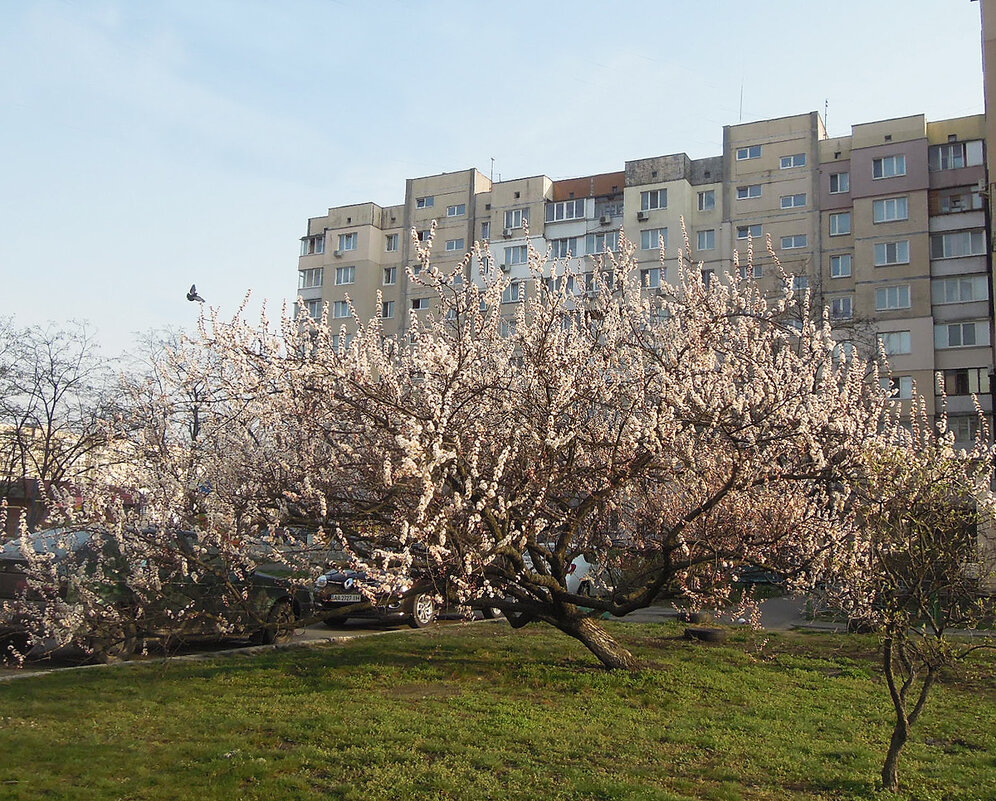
x=600 y=643
x=890 y=770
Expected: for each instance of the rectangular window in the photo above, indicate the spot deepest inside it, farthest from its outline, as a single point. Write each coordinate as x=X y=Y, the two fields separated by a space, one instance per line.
x=425 y=202
x=309 y=279
x=457 y=210
x=962 y=335
x=345 y=275
x=900 y=387
x=887 y=253
x=966 y=381
x=840 y=266
x=750 y=152
x=958 y=243
x=752 y=231
x=890 y=209
x=600 y=243
x=387 y=309
x=840 y=182
x=340 y=309
x=795 y=241
x=348 y=241
x=960 y=290
x=797 y=160
x=423 y=236
x=706 y=240
x=564 y=248
x=746 y=272
x=650 y=279
x=454 y=244
x=707 y=200
x=314 y=308
x=889 y=166
x=800 y=283
x=565 y=210
x=842 y=308
x=707 y=277
x=748 y=192
x=964 y=427
x=517 y=254
x=896 y=343
x=954 y=155
x=420 y=304
x=516 y=218
x=888 y=298
x=793 y=201
x=952 y=201
x=310 y=245
x=390 y=275
x=560 y=283
x=391 y=243
x=840 y=223
x=514 y=292
x=654 y=199
x=486 y=230
x=652 y=238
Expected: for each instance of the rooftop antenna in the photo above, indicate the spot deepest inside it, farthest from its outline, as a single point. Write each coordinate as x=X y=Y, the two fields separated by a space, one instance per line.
x=492 y=169
x=826 y=115
x=741 y=99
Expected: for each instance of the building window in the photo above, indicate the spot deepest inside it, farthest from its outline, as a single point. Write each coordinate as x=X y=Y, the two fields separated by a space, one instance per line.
x=896 y=343
x=454 y=244
x=310 y=245
x=345 y=275
x=486 y=230
x=795 y=241
x=793 y=201
x=888 y=298
x=516 y=218
x=390 y=275
x=425 y=202
x=654 y=199
x=314 y=308
x=340 y=309
x=387 y=309
x=800 y=283
x=457 y=210
x=840 y=223
x=420 y=304
x=750 y=152
x=955 y=155
x=887 y=253
x=565 y=210
x=517 y=254
x=960 y=290
x=653 y=238
x=564 y=248
x=959 y=243
x=746 y=272
x=966 y=381
x=840 y=266
x=961 y=335
x=840 y=182
x=706 y=240
x=899 y=387
x=348 y=241
x=650 y=279
x=600 y=243
x=952 y=201
x=889 y=166
x=752 y=231
x=707 y=200
x=842 y=308
x=309 y=279
x=797 y=160
x=560 y=283
x=423 y=236
x=964 y=427
x=890 y=209
x=748 y=192
x=514 y=292
x=391 y=242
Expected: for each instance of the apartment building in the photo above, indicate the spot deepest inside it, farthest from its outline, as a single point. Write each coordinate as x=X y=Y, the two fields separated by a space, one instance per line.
x=887 y=228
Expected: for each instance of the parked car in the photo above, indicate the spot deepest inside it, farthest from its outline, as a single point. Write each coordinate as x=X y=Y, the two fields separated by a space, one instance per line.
x=339 y=596
x=210 y=602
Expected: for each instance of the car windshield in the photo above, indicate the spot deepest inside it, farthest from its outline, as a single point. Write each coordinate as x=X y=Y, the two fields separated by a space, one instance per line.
x=57 y=541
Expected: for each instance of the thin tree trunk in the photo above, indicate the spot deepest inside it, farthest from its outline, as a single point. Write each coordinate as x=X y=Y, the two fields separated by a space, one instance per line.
x=890 y=770
x=904 y=718
x=597 y=640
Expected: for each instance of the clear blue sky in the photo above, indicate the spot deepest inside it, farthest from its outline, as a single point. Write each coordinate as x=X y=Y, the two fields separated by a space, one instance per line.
x=149 y=145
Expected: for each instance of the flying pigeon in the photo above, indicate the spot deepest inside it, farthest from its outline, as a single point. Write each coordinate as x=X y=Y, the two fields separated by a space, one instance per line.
x=192 y=294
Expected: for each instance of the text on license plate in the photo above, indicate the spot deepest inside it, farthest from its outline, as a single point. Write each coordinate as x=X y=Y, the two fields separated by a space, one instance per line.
x=350 y=598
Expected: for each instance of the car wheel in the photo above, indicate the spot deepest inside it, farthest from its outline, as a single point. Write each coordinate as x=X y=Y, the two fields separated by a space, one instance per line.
x=279 y=626
x=332 y=621
x=491 y=612
x=117 y=643
x=423 y=611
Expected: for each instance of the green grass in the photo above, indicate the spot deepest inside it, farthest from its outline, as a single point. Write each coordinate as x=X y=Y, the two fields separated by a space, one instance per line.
x=482 y=712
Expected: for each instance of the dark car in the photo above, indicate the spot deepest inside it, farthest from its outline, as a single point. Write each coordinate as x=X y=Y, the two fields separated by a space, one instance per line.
x=341 y=594
x=211 y=601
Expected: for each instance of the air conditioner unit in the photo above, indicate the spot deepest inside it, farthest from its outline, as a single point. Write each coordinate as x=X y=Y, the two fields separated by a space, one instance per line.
x=642 y=216
x=507 y=233
x=337 y=254
x=605 y=219
x=504 y=267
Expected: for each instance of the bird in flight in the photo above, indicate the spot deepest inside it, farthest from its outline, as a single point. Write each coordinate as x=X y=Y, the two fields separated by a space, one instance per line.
x=192 y=294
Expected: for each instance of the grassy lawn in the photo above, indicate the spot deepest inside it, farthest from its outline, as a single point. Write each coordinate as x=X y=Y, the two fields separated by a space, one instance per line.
x=482 y=712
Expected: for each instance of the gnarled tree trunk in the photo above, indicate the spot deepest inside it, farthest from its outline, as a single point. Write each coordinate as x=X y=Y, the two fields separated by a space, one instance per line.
x=599 y=642
x=898 y=691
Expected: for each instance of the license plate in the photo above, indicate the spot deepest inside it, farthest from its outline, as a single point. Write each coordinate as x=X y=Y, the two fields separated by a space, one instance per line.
x=346 y=598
